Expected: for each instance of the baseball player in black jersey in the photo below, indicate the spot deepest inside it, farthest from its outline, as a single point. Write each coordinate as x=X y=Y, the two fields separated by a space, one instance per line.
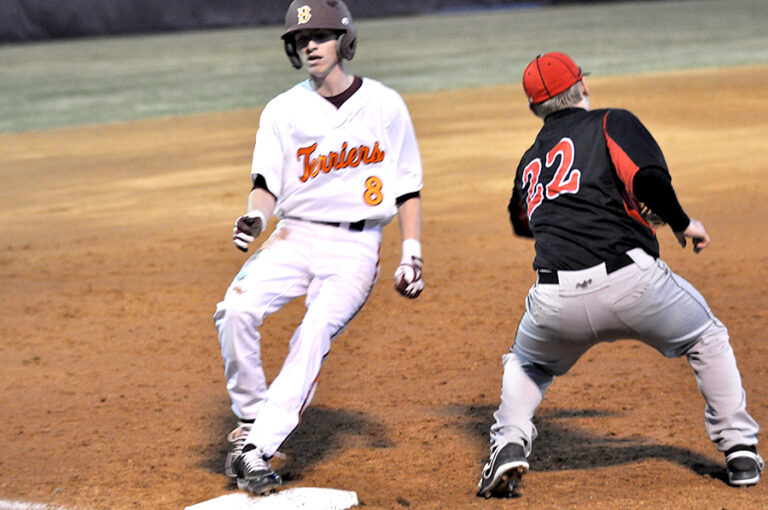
x=590 y=191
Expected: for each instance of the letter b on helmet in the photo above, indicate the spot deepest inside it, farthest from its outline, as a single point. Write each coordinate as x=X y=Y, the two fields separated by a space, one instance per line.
x=319 y=14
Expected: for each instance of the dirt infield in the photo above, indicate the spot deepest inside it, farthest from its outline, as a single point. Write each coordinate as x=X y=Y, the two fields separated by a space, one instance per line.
x=116 y=246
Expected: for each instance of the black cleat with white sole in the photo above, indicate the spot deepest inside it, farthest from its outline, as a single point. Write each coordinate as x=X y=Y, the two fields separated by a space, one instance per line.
x=236 y=440
x=743 y=465
x=254 y=474
x=505 y=468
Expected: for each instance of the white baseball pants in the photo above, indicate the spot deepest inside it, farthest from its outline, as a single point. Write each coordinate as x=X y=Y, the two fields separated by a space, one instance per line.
x=644 y=301
x=336 y=269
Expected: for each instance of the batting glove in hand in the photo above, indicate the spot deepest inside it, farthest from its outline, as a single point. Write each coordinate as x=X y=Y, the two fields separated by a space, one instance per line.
x=247 y=228
x=697 y=233
x=408 y=280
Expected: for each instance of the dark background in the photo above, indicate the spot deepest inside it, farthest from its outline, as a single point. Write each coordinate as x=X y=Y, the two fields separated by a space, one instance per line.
x=28 y=20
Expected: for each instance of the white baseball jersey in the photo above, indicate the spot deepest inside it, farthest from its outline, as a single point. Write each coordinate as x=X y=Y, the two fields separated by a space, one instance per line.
x=341 y=165
x=323 y=164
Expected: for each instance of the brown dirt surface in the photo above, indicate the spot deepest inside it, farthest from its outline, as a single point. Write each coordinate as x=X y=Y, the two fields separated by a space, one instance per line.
x=116 y=247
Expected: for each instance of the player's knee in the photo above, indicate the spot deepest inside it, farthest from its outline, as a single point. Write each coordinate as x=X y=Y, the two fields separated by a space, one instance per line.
x=713 y=341
x=226 y=313
x=237 y=315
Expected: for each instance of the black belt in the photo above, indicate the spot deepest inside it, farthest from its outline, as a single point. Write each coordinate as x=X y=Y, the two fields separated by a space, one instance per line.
x=357 y=226
x=623 y=260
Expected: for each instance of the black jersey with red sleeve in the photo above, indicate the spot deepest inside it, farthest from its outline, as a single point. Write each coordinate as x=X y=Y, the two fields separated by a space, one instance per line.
x=574 y=186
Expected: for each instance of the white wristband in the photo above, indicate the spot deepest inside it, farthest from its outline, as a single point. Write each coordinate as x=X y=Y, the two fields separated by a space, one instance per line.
x=411 y=248
x=257 y=214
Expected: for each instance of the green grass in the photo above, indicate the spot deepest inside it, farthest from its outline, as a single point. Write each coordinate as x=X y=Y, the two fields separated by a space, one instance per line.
x=115 y=79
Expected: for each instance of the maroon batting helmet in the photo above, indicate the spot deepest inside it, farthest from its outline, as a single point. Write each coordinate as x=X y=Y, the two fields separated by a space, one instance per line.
x=319 y=14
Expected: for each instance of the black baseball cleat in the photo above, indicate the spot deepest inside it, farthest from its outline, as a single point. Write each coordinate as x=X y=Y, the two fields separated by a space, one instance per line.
x=505 y=468
x=254 y=474
x=743 y=465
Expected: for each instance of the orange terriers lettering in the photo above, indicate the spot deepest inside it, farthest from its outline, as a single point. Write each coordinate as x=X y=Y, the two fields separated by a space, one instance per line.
x=337 y=160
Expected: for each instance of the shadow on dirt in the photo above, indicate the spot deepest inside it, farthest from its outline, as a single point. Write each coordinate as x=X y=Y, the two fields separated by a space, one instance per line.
x=322 y=433
x=560 y=447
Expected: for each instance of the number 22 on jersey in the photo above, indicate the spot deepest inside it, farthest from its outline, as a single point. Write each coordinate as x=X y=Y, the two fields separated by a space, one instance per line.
x=565 y=180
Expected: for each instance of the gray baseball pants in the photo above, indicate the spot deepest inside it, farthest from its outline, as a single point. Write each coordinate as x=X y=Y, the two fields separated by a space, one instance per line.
x=644 y=301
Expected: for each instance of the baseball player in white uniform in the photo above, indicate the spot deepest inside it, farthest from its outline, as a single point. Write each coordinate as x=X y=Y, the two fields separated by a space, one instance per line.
x=335 y=160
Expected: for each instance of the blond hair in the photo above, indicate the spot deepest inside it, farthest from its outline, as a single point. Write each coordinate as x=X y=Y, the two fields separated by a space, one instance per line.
x=566 y=99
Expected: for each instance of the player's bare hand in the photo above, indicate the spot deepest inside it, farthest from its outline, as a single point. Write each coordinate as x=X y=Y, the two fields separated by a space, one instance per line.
x=695 y=231
x=247 y=228
x=408 y=281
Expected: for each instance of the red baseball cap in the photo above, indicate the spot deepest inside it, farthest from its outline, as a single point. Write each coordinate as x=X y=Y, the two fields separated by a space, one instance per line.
x=548 y=75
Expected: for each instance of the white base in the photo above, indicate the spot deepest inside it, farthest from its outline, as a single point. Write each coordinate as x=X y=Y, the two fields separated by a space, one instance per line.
x=299 y=498
x=18 y=505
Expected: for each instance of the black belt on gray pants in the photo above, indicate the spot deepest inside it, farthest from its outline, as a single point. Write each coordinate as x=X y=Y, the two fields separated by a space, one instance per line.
x=623 y=260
